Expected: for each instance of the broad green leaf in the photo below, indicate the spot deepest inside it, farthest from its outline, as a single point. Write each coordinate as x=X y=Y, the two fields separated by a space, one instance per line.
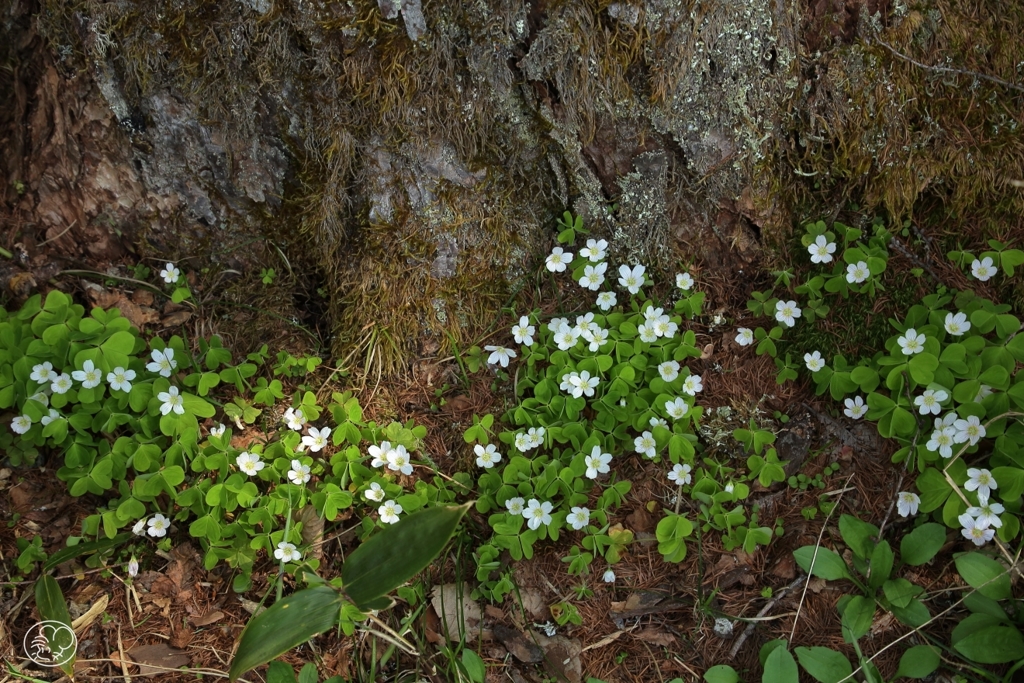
x=918 y=662
x=857 y=618
x=780 y=667
x=987 y=575
x=992 y=645
x=722 y=673
x=900 y=592
x=921 y=544
x=858 y=535
x=474 y=666
x=769 y=648
x=827 y=564
x=881 y=564
x=52 y=607
x=396 y=554
x=286 y=624
x=824 y=664
x=280 y=672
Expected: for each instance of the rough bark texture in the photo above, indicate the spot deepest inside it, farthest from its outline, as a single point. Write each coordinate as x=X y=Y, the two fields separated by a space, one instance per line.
x=417 y=153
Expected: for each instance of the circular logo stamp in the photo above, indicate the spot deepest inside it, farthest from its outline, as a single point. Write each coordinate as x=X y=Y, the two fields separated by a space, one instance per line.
x=50 y=643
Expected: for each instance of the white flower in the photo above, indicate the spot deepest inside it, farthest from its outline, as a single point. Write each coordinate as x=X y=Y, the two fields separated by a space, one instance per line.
x=730 y=487
x=957 y=324
x=90 y=376
x=857 y=272
x=47 y=419
x=294 y=419
x=821 y=251
x=140 y=527
x=906 y=503
x=987 y=515
x=556 y=325
x=911 y=342
x=61 y=383
x=680 y=475
x=677 y=409
x=170 y=273
x=380 y=454
x=499 y=355
x=692 y=385
x=249 y=463
x=374 y=493
x=665 y=328
x=593 y=276
x=486 y=456
x=947 y=420
x=172 y=401
x=814 y=361
x=398 y=460
x=855 y=407
x=645 y=445
x=299 y=473
x=973 y=531
x=566 y=338
x=133 y=567
x=652 y=314
x=786 y=312
x=930 y=402
x=316 y=439
x=568 y=380
x=515 y=506
x=942 y=441
x=536 y=435
x=522 y=442
x=389 y=512
x=658 y=422
x=970 y=429
x=158 y=525
x=632 y=278
x=595 y=250
x=578 y=518
x=983 y=269
x=40 y=397
x=557 y=260
x=668 y=370
x=537 y=513
x=523 y=332
x=21 y=424
x=585 y=323
x=608 y=576
x=597 y=463
x=984 y=391
x=597 y=337
x=981 y=481
x=605 y=300
x=42 y=373
x=163 y=362
x=684 y=281
x=584 y=385
x=286 y=552
x=120 y=379
x=744 y=336
x=648 y=334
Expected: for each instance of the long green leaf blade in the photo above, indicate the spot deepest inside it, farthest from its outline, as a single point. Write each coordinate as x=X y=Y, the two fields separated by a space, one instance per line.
x=53 y=607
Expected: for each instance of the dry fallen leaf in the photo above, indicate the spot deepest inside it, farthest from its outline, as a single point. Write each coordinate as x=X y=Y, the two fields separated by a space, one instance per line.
x=208 y=618
x=518 y=644
x=459 y=614
x=159 y=655
x=656 y=636
x=83 y=622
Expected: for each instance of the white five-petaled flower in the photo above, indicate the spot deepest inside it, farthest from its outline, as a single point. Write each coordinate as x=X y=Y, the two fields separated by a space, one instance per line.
x=21 y=424
x=163 y=362
x=171 y=401
x=942 y=440
x=294 y=419
x=597 y=463
x=566 y=338
x=499 y=355
x=43 y=373
x=930 y=402
x=821 y=250
x=648 y=332
x=744 y=336
x=523 y=332
x=90 y=376
x=668 y=370
x=374 y=492
x=957 y=324
x=982 y=481
x=47 y=419
x=537 y=513
x=170 y=273
x=911 y=342
x=299 y=473
x=399 y=461
x=608 y=576
x=595 y=250
x=684 y=281
x=158 y=525
x=316 y=439
x=249 y=463
x=906 y=503
x=656 y=421
x=140 y=527
x=389 y=512
x=567 y=381
x=970 y=429
x=857 y=273
x=987 y=514
x=855 y=407
x=380 y=454
x=632 y=278
x=486 y=456
x=286 y=552
x=583 y=384
x=597 y=337
x=664 y=328
x=786 y=312
x=972 y=530
x=605 y=300
x=585 y=323
x=692 y=385
x=593 y=276
x=557 y=260
x=120 y=379
x=536 y=435
x=677 y=409
x=515 y=506
x=133 y=567
x=522 y=442
x=645 y=445
x=578 y=518
x=814 y=361
x=983 y=269
x=556 y=325
x=680 y=475
x=61 y=383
